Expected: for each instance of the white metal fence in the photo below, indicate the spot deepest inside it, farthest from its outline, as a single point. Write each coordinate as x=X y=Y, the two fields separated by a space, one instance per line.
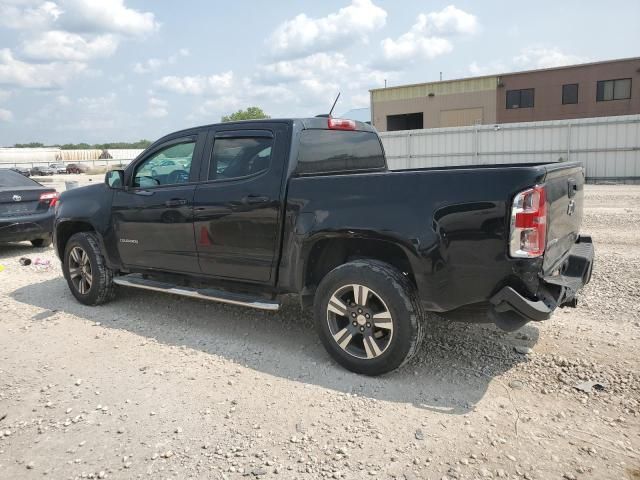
x=608 y=147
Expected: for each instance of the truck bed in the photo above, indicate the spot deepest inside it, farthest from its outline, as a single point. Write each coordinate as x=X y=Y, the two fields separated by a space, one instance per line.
x=453 y=223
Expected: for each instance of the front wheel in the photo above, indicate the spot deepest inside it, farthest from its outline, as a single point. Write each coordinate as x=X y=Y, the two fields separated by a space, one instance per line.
x=86 y=272
x=368 y=316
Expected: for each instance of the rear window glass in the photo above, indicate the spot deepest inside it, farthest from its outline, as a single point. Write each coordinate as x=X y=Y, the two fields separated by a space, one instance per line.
x=9 y=178
x=323 y=151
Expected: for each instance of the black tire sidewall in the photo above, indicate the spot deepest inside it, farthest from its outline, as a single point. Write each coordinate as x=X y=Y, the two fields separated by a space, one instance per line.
x=81 y=240
x=395 y=291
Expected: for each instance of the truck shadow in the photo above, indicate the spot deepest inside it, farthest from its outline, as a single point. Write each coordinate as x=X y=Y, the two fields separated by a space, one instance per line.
x=451 y=373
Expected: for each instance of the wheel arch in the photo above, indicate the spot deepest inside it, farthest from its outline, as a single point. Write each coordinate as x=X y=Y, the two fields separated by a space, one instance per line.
x=65 y=230
x=327 y=253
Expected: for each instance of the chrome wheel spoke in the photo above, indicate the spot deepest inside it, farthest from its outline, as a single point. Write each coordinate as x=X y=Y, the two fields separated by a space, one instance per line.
x=371 y=347
x=89 y=281
x=74 y=272
x=383 y=320
x=75 y=256
x=360 y=294
x=85 y=258
x=343 y=337
x=336 y=306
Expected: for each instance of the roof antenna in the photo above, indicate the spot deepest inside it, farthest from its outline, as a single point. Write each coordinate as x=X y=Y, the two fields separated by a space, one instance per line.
x=334 y=104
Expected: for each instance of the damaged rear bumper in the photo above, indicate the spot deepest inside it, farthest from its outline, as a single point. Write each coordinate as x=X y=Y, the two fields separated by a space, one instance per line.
x=510 y=310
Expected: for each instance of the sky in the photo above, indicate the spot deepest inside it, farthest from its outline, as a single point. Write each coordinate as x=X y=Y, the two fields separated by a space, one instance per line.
x=98 y=71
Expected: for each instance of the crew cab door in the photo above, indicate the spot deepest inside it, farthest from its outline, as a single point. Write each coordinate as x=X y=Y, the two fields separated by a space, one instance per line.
x=238 y=205
x=153 y=215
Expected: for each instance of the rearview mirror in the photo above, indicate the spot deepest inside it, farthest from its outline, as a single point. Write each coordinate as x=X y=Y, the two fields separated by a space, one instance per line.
x=114 y=178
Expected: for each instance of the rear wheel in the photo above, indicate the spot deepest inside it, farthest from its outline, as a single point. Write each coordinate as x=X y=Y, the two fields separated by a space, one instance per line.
x=86 y=272
x=368 y=316
x=41 y=242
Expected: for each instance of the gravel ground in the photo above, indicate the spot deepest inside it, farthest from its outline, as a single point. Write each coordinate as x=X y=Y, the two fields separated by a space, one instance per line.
x=157 y=386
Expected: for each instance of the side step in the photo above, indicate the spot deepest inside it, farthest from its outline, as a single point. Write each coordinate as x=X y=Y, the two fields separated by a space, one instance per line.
x=137 y=281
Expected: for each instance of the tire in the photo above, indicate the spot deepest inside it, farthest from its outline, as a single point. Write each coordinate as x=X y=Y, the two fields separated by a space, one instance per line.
x=375 y=335
x=99 y=288
x=41 y=242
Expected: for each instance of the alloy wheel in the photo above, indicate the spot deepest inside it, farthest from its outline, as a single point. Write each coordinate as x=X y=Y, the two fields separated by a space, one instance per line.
x=360 y=321
x=80 y=270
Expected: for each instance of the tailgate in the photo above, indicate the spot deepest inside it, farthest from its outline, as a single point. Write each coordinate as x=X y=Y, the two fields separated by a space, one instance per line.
x=565 y=199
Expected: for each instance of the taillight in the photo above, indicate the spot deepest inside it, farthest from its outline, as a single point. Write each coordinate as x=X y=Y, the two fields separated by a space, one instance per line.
x=528 y=223
x=341 y=124
x=51 y=198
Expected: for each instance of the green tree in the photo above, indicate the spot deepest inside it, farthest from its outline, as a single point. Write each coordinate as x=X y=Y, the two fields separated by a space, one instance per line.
x=29 y=145
x=251 y=113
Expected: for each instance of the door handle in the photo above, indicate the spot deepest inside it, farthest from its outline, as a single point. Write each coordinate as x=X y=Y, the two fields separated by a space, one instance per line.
x=254 y=199
x=175 y=202
x=144 y=193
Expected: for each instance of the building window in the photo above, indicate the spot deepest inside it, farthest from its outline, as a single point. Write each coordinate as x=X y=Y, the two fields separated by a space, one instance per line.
x=569 y=93
x=619 y=89
x=520 y=98
x=408 y=121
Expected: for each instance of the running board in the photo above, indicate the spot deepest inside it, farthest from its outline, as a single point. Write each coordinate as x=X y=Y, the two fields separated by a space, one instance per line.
x=137 y=281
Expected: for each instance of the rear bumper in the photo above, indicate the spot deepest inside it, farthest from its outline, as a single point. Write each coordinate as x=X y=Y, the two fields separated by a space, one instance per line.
x=510 y=310
x=28 y=227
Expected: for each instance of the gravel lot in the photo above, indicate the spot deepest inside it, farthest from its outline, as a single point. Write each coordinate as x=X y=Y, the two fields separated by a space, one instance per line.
x=157 y=386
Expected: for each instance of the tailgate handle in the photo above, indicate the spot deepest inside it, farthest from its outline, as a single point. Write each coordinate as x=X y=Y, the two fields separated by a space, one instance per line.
x=573 y=188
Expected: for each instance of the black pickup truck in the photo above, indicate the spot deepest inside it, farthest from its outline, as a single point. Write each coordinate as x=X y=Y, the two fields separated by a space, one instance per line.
x=247 y=212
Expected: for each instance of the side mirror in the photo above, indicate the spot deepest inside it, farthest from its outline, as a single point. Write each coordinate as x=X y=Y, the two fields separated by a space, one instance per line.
x=114 y=179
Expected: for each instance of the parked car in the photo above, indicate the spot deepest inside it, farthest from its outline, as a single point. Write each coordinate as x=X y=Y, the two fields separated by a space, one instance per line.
x=42 y=171
x=58 y=167
x=26 y=209
x=26 y=171
x=77 y=168
x=308 y=207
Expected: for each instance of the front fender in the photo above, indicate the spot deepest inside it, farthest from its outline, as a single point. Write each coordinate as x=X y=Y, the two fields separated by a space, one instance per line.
x=86 y=209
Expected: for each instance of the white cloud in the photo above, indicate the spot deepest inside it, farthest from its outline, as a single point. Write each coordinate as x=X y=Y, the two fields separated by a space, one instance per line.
x=157 y=108
x=413 y=46
x=30 y=17
x=427 y=38
x=303 y=68
x=35 y=75
x=197 y=85
x=154 y=64
x=67 y=46
x=63 y=100
x=5 y=115
x=528 y=58
x=60 y=37
x=100 y=104
x=450 y=21
x=489 y=69
x=107 y=16
x=545 y=57
x=302 y=35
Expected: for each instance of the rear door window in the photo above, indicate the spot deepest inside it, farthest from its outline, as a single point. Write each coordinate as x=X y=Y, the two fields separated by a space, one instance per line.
x=326 y=151
x=240 y=157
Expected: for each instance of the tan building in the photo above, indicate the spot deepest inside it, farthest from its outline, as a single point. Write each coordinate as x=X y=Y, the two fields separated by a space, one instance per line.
x=589 y=90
